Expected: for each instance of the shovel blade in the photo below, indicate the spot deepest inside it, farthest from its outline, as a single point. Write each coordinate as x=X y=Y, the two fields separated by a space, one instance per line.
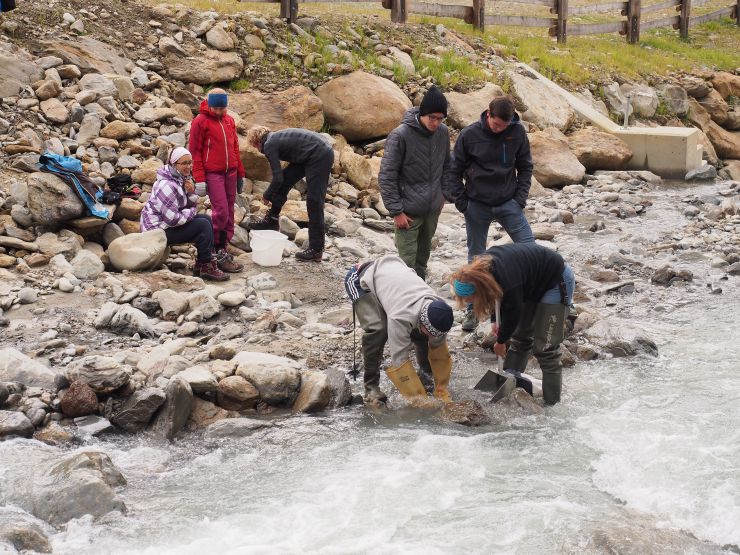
x=499 y=384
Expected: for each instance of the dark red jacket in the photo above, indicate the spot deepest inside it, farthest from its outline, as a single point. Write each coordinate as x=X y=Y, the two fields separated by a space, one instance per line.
x=214 y=144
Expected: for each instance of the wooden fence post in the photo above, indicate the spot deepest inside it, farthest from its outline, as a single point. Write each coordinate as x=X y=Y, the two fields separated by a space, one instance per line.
x=289 y=10
x=562 y=21
x=633 y=21
x=399 y=13
x=479 y=14
x=683 y=23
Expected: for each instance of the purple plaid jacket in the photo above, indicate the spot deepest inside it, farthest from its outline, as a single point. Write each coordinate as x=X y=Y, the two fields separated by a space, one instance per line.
x=168 y=205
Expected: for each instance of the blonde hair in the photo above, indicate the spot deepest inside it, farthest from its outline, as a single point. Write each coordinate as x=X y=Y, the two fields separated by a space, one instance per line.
x=487 y=290
x=217 y=91
x=257 y=134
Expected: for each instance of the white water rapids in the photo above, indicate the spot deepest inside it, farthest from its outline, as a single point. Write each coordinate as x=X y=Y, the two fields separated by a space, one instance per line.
x=647 y=445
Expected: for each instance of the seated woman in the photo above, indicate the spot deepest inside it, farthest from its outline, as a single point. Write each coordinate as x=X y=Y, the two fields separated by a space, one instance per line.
x=173 y=207
x=534 y=287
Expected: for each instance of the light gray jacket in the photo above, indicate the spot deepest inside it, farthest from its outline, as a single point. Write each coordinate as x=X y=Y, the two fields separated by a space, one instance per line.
x=402 y=295
x=415 y=166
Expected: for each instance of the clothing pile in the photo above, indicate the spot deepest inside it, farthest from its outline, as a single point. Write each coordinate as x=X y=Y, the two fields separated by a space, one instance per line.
x=69 y=170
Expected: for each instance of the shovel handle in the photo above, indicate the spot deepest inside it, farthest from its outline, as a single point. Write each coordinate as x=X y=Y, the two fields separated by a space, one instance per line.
x=498 y=323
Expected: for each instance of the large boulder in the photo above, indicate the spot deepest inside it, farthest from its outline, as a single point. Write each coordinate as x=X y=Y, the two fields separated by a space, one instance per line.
x=137 y=411
x=124 y=319
x=90 y=55
x=199 y=379
x=294 y=107
x=103 y=374
x=597 y=150
x=277 y=379
x=17 y=69
x=212 y=66
x=205 y=413
x=138 y=251
x=255 y=163
x=175 y=412
x=315 y=393
x=715 y=106
x=540 y=105
x=466 y=108
x=51 y=201
x=675 y=99
x=79 y=400
x=358 y=169
x=620 y=340
x=726 y=143
x=17 y=367
x=554 y=164
x=726 y=84
x=56 y=487
x=14 y=424
x=615 y=100
x=362 y=106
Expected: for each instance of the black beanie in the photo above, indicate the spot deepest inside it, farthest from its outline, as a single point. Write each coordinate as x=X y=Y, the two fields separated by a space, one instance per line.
x=434 y=102
x=437 y=317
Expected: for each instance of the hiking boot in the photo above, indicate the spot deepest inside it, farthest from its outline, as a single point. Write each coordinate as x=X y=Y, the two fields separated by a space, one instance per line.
x=374 y=394
x=227 y=263
x=209 y=271
x=309 y=254
x=268 y=221
x=470 y=322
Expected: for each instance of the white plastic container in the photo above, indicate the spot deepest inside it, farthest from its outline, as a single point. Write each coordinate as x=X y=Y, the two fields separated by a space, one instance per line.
x=267 y=247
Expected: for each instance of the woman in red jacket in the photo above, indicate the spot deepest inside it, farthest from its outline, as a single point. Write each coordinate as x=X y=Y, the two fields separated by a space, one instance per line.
x=218 y=169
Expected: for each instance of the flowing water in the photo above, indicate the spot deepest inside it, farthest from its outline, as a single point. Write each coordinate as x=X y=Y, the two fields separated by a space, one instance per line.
x=647 y=445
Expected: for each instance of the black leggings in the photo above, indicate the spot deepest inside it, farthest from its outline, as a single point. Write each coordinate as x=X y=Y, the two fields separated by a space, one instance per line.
x=199 y=230
x=317 y=172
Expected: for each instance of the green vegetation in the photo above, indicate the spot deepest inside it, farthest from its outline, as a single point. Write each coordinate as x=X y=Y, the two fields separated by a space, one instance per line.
x=238 y=85
x=450 y=70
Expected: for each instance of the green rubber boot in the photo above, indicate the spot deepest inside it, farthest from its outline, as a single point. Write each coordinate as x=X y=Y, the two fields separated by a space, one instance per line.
x=549 y=330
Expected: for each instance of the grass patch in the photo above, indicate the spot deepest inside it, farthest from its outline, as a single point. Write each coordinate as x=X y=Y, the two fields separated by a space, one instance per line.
x=450 y=70
x=238 y=85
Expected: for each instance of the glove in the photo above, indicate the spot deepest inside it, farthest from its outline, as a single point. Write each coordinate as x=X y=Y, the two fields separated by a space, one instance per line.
x=201 y=189
x=239 y=185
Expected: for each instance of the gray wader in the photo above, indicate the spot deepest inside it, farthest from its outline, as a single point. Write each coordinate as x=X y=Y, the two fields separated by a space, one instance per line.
x=541 y=330
x=374 y=322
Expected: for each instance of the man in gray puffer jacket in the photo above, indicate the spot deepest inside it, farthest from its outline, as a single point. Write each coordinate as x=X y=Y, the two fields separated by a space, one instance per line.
x=415 y=165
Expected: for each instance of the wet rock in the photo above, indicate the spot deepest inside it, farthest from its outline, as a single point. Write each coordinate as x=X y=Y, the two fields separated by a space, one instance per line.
x=51 y=201
x=4 y=394
x=17 y=367
x=14 y=424
x=236 y=393
x=466 y=413
x=138 y=251
x=91 y=425
x=704 y=173
x=314 y=394
x=522 y=400
x=23 y=532
x=205 y=413
x=620 y=340
x=340 y=388
x=276 y=378
x=137 y=411
x=383 y=105
x=175 y=412
x=54 y=434
x=235 y=428
x=79 y=400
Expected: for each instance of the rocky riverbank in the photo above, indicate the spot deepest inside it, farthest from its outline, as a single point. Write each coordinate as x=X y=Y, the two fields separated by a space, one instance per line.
x=105 y=331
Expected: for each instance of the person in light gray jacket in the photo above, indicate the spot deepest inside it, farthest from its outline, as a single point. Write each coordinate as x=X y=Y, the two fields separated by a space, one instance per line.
x=396 y=306
x=415 y=167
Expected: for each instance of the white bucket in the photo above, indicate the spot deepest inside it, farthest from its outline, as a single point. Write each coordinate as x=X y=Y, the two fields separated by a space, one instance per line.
x=267 y=247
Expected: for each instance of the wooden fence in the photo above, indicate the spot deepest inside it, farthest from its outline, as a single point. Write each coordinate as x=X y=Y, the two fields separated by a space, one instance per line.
x=631 y=10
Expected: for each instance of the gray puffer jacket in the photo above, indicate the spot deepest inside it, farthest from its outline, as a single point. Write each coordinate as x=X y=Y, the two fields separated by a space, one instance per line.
x=415 y=166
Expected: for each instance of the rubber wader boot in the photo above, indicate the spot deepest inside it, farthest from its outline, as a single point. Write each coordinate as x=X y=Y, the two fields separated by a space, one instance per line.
x=374 y=394
x=521 y=342
x=421 y=346
x=549 y=329
x=406 y=381
x=441 y=362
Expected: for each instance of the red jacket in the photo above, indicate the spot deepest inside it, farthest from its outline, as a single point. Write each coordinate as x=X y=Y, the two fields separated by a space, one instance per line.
x=214 y=144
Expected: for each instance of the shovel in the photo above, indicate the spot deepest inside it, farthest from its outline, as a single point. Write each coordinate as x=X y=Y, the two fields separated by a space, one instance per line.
x=498 y=382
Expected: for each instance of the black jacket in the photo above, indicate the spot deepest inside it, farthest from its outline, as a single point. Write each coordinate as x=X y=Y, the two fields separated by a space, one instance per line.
x=415 y=166
x=525 y=272
x=496 y=167
x=294 y=145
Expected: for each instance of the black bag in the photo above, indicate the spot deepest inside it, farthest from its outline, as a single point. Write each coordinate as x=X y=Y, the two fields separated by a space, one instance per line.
x=7 y=5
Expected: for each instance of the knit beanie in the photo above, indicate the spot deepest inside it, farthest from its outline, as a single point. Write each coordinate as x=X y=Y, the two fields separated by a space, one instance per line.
x=436 y=317
x=434 y=102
